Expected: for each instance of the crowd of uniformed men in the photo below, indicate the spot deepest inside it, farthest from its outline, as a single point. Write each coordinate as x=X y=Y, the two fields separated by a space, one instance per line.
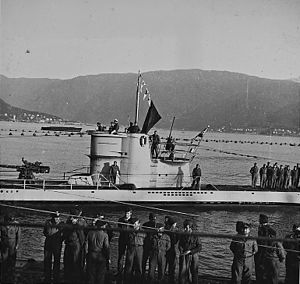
x=145 y=249
x=275 y=176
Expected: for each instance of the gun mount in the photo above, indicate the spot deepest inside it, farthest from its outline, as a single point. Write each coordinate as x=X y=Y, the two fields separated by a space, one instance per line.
x=27 y=170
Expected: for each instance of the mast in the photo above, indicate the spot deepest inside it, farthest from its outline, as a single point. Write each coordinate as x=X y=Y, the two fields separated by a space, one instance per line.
x=137 y=99
x=171 y=127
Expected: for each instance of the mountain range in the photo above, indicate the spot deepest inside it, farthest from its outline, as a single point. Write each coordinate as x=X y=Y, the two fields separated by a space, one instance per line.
x=196 y=98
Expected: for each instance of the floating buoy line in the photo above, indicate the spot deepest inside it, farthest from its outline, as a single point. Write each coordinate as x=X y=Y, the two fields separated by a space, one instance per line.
x=37 y=133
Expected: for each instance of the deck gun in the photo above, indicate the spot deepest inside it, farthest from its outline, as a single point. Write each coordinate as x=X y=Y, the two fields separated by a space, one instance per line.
x=27 y=170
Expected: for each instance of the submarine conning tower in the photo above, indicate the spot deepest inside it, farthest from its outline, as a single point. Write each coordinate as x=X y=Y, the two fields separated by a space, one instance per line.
x=129 y=150
x=132 y=153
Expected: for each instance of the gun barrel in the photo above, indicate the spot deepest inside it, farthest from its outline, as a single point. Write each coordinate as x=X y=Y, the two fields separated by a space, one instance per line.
x=8 y=166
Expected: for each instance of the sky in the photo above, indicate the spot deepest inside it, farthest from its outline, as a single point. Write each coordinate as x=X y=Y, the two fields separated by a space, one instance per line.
x=69 y=38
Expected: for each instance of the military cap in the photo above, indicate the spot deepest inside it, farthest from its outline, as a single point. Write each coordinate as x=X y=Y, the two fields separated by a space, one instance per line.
x=127 y=209
x=239 y=226
x=152 y=216
x=171 y=221
x=263 y=219
x=100 y=223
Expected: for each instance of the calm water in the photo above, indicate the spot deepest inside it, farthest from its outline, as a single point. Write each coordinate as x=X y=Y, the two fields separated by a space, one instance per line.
x=65 y=153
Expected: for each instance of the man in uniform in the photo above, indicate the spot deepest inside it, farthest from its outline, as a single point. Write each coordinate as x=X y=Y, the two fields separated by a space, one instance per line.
x=147 y=242
x=254 y=175
x=269 y=175
x=10 y=235
x=155 y=139
x=114 y=127
x=243 y=250
x=98 y=254
x=179 y=177
x=123 y=223
x=196 y=175
x=113 y=172
x=263 y=176
x=274 y=253
x=189 y=247
x=298 y=175
x=263 y=229
x=171 y=228
x=52 y=247
x=74 y=238
x=160 y=243
x=280 y=177
x=292 y=261
x=134 y=255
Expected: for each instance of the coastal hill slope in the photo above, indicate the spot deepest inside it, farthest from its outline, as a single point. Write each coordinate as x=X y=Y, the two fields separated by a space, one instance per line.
x=8 y=113
x=196 y=97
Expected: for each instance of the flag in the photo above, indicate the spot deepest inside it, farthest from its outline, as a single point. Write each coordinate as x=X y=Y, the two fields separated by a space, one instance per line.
x=146 y=94
x=142 y=85
x=201 y=134
x=151 y=119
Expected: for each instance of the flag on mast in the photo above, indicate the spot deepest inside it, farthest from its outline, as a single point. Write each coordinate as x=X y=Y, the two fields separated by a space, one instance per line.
x=151 y=119
x=201 y=134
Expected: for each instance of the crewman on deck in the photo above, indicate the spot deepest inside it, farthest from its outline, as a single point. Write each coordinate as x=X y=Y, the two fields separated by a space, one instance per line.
x=171 y=228
x=100 y=127
x=123 y=223
x=274 y=176
x=114 y=128
x=269 y=175
x=10 y=235
x=155 y=139
x=263 y=176
x=160 y=243
x=243 y=250
x=196 y=175
x=280 y=177
x=52 y=248
x=114 y=171
x=74 y=238
x=259 y=256
x=254 y=175
x=147 y=241
x=292 y=261
x=98 y=253
x=189 y=247
x=134 y=254
x=298 y=175
x=179 y=177
x=133 y=128
x=274 y=254
x=286 y=176
x=294 y=173
x=170 y=146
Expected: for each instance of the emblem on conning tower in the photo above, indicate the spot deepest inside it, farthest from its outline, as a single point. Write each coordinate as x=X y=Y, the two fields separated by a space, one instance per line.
x=143 y=140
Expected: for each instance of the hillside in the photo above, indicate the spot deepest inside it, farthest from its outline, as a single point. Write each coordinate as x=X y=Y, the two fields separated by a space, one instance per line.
x=195 y=97
x=8 y=112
